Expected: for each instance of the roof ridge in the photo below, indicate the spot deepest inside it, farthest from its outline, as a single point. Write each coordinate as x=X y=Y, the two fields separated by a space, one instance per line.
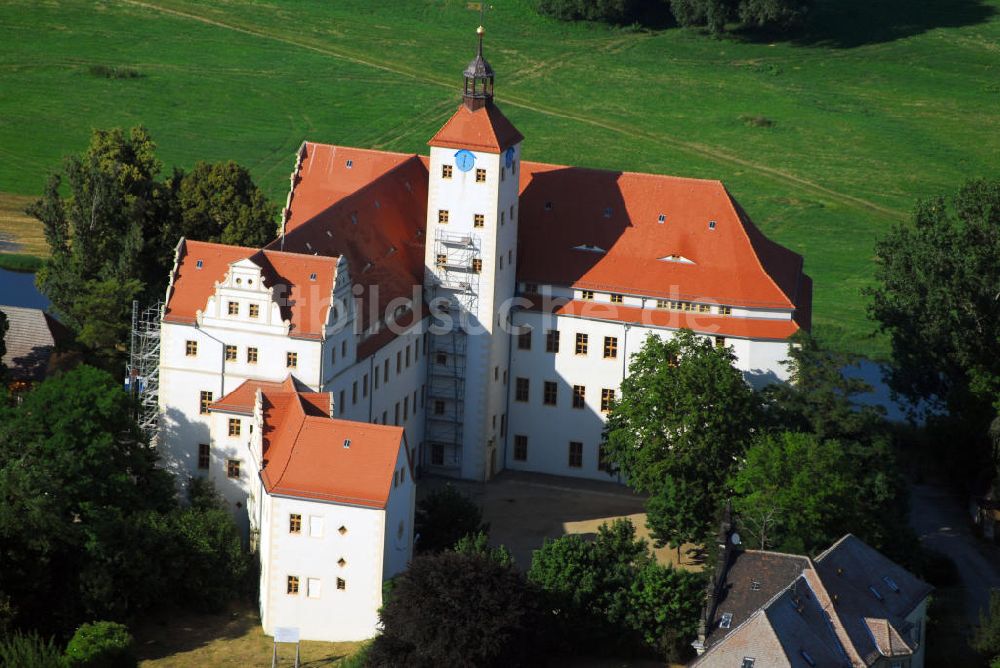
x=358 y=148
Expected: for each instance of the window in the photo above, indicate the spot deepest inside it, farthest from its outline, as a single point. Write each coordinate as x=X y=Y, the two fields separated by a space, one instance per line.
x=437 y=454
x=617 y=299
x=234 y=308
x=503 y=425
x=581 y=344
x=316 y=527
x=234 y=426
x=726 y=621
x=233 y=468
x=443 y=216
x=477 y=266
x=478 y=220
x=441 y=358
x=251 y=355
x=438 y=407
x=480 y=176
x=502 y=173
x=293 y=585
x=711 y=224
x=341 y=584
x=354 y=393
x=587 y=294
x=503 y=217
x=191 y=348
x=704 y=308
x=720 y=342
x=294 y=523
x=203 y=455
x=725 y=310
x=407 y=356
x=342 y=530
x=399 y=362
x=313 y=587
x=512 y=213
x=230 y=353
x=575 y=454
x=291 y=360
x=805 y=655
x=254 y=310
x=385 y=371
x=754 y=585
x=204 y=402
x=342 y=403
x=748 y=662
x=406 y=407
x=442 y=259
x=579 y=396
x=520 y=448
x=552 y=341
x=550 y=393
x=521 y=389
x=602 y=459
x=364 y=386
x=343 y=348
x=607 y=397
x=610 y=347
x=524 y=340
x=395 y=416
x=446 y=171
x=662 y=303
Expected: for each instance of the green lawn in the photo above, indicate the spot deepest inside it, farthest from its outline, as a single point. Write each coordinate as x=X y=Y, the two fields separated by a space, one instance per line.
x=895 y=100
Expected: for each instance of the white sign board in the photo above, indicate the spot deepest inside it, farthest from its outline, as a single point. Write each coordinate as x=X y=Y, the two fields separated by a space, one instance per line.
x=286 y=634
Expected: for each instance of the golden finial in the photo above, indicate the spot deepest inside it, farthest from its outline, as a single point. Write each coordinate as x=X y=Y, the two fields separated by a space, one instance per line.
x=480 y=31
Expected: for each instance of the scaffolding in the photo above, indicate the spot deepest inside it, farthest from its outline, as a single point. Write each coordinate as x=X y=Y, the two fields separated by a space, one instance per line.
x=142 y=374
x=456 y=278
x=457 y=263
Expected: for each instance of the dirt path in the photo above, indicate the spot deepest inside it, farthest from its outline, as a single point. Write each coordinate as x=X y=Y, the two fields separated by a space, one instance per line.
x=702 y=150
x=942 y=525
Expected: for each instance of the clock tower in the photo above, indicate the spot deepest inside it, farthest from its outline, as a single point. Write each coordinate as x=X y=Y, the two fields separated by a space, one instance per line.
x=469 y=269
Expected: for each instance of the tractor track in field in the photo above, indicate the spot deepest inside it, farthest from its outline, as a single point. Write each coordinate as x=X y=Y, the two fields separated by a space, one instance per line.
x=701 y=150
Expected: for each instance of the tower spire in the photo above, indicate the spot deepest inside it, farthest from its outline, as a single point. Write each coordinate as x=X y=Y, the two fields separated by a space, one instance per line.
x=478 y=90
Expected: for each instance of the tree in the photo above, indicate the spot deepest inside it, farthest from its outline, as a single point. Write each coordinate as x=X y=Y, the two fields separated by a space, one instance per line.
x=676 y=513
x=936 y=298
x=101 y=645
x=98 y=235
x=443 y=517
x=220 y=202
x=686 y=413
x=986 y=639
x=457 y=609
x=609 y=595
x=478 y=543
x=4 y=325
x=616 y=12
x=714 y=14
x=797 y=493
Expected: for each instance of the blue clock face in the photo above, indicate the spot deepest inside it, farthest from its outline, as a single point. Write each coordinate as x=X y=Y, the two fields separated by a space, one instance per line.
x=508 y=157
x=464 y=160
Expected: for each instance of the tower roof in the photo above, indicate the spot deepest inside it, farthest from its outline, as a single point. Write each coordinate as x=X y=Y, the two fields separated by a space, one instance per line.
x=484 y=129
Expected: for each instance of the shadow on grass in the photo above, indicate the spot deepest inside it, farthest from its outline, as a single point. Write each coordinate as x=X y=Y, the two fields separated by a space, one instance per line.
x=846 y=24
x=173 y=631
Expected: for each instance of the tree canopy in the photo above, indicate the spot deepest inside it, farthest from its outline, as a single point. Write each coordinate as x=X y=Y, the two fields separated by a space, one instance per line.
x=457 y=609
x=112 y=226
x=443 y=517
x=685 y=413
x=936 y=298
x=610 y=596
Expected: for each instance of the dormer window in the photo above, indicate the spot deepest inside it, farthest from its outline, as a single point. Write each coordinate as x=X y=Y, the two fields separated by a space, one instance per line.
x=711 y=224
x=661 y=219
x=350 y=163
x=589 y=247
x=312 y=277
x=199 y=264
x=548 y=206
x=607 y=212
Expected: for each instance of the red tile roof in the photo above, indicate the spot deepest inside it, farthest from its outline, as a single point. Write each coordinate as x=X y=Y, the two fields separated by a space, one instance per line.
x=379 y=229
x=562 y=208
x=323 y=177
x=485 y=129
x=305 y=457
x=243 y=398
x=304 y=302
x=702 y=323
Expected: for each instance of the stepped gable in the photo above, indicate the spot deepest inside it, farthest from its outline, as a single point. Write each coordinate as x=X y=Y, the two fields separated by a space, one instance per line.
x=378 y=227
x=601 y=230
x=309 y=455
x=304 y=300
x=486 y=129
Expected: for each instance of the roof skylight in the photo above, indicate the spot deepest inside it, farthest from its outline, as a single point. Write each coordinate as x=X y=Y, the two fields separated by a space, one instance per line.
x=662 y=218
x=875 y=592
x=350 y=163
x=312 y=277
x=589 y=247
x=711 y=224
x=199 y=264
x=607 y=212
x=726 y=621
x=680 y=259
x=890 y=583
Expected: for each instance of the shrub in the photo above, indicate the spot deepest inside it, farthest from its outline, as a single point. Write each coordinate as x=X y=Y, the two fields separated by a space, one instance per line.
x=29 y=651
x=114 y=71
x=101 y=645
x=443 y=517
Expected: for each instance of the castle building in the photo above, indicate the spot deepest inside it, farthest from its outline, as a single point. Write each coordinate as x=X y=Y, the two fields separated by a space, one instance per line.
x=484 y=304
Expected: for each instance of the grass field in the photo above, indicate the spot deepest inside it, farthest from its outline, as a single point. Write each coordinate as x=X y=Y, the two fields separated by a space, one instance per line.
x=892 y=101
